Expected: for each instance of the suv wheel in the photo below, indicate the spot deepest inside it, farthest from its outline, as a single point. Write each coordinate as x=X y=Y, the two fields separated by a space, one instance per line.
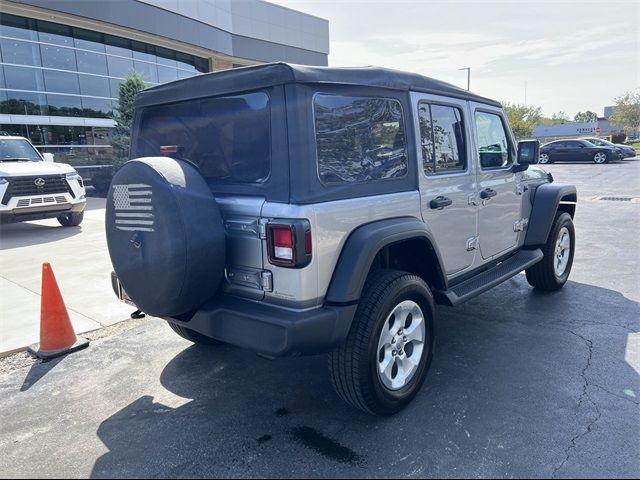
x=384 y=361
x=552 y=272
x=71 y=219
x=192 y=336
x=600 y=158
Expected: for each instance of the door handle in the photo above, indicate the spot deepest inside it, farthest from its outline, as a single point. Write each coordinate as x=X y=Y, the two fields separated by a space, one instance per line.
x=440 y=202
x=488 y=193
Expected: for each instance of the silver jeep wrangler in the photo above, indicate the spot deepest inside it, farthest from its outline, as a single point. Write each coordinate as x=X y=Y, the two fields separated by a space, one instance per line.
x=304 y=210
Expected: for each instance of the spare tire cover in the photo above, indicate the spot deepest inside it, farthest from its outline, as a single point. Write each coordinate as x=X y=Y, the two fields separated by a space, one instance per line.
x=165 y=235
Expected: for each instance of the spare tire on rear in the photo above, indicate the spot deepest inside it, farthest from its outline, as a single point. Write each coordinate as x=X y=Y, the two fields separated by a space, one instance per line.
x=165 y=235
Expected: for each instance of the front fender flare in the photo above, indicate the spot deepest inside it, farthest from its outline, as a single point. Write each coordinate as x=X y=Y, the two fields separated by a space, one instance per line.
x=546 y=202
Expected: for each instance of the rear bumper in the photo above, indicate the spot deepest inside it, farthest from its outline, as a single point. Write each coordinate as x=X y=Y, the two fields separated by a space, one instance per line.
x=268 y=329
x=39 y=213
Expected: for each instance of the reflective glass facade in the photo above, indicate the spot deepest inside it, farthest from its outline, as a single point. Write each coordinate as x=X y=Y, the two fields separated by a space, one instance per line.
x=57 y=70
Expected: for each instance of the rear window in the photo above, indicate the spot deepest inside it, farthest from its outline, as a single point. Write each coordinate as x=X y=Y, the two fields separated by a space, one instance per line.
x=228 y=138
x=359 y=139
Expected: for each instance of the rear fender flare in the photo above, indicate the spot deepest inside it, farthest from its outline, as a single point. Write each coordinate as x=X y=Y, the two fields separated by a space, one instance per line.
x=361 y=248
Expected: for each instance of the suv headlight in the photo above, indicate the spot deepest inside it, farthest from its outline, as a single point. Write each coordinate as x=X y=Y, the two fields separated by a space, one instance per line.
x=75 y=176
x=3 y=181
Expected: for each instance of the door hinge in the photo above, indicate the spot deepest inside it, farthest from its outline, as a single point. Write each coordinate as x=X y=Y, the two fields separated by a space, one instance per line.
x=266 y=281
x=520 y=225
x=472 y=243
x=262 y=228
x=521 y=188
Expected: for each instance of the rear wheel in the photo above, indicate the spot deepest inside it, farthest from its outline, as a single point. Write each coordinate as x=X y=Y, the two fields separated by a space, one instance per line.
x=600 y=158
x=384 y=361
x=192 y=336
x=71 y=219
x=552 y=272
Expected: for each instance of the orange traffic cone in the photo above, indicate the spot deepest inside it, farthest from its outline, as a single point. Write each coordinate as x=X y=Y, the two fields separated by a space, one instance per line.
x=56 y=332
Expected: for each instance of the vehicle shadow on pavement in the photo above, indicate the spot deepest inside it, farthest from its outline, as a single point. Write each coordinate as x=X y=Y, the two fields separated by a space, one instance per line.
x=25 y=234
x=522 y=384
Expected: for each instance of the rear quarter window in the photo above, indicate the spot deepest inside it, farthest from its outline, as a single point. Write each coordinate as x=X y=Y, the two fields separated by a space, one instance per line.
x=359 y=139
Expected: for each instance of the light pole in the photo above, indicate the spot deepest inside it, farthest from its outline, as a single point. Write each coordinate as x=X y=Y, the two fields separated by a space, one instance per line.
x=468 y=69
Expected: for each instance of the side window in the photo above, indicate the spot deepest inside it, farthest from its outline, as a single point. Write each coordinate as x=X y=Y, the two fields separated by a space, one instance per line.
x=441 y=139
x=359 y=139
x=493 y=144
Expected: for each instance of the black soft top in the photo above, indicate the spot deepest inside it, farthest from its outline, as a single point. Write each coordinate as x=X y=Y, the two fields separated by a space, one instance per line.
x=271 y=74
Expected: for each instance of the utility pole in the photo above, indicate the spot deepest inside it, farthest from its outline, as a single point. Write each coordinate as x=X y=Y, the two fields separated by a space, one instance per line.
x=468 y=69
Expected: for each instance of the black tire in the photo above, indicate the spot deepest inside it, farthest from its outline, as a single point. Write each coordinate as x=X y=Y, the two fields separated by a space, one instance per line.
x=71 y=219
x=192 y=336
x=354 y=365
x=543 y=275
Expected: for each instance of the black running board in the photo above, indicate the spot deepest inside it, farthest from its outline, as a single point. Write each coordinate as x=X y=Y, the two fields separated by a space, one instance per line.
x=488 y=279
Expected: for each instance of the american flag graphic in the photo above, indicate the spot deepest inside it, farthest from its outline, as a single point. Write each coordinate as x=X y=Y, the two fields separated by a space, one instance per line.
x=134 y=209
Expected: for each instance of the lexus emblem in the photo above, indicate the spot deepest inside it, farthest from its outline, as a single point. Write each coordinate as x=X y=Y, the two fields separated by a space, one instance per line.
x=39 y=182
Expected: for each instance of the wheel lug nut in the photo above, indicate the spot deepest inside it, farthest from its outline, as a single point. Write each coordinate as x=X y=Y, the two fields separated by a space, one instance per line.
x=394 y=353
x=393 y=340
x=404 y=339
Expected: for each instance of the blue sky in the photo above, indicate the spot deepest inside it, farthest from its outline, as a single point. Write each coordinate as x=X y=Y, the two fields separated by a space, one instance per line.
x=572 y=55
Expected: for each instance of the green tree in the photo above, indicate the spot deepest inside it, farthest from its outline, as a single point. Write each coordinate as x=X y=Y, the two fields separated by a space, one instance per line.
x=132 y=84
x=627 y=111
x=522 y=118
x=560 y=117
x=584 y=117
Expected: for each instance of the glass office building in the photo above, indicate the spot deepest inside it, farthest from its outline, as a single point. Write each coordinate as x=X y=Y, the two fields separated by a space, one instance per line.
x=61 y=63
x=54 y=70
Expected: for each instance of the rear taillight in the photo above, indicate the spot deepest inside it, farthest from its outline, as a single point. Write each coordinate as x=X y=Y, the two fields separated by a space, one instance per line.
x=169 y=149
x=289 y=244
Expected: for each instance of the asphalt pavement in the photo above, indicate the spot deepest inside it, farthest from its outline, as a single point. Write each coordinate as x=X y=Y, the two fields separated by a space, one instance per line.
x=523 y=384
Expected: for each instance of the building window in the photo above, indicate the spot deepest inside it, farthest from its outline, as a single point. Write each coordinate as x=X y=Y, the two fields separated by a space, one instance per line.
x=20 y=53
x=90 y=62
x=23 y=78
x=94 y=86
x=61 y=82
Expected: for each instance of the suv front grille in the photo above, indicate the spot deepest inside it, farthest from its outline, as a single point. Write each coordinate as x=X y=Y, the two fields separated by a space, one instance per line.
x=26 y=186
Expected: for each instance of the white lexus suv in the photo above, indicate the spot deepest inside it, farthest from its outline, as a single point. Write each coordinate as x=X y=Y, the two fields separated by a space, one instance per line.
x=33 y=188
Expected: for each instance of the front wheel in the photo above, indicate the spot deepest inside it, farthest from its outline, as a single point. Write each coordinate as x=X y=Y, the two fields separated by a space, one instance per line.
x=71 y=219
x=552 y=272
x=600 y=158
x=384 y=361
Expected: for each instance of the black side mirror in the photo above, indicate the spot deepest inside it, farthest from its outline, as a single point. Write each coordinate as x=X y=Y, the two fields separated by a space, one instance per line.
x=528 y=154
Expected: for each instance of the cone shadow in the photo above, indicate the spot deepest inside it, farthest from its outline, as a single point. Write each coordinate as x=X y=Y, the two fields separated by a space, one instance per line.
x=37 y=371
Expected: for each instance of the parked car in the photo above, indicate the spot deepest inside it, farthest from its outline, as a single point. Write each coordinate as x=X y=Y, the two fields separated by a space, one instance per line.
x=577 y=150
x=32 y=188
x=626 y=150
x=301 y=210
